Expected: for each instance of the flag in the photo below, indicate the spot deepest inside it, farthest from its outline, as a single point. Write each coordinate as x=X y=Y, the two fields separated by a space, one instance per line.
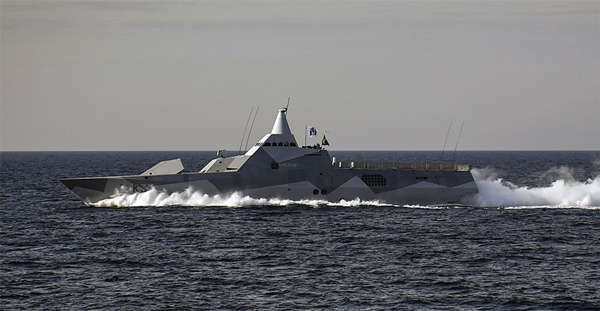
x=324 y=142
x=312 y=132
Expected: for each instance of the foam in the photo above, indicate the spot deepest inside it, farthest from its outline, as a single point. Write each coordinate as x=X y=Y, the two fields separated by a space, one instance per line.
x=191 y=198
x=565 y=192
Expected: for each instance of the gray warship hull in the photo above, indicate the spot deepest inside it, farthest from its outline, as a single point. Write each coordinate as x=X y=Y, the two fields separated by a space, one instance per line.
x=277 y=168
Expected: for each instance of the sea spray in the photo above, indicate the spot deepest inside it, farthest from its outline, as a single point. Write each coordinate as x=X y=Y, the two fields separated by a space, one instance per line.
x=564 y=192
x=189 y=197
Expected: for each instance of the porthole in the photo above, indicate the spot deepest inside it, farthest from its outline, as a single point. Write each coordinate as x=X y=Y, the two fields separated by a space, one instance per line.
x=316 y=191
x=323 y=192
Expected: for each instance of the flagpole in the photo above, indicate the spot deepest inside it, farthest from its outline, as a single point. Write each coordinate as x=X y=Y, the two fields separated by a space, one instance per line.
x=305 y=129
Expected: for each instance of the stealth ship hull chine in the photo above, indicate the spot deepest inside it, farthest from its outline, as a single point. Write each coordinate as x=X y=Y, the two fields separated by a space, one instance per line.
x=276 y=167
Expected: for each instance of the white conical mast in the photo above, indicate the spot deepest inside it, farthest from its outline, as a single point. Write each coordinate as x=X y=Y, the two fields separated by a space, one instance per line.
x=281 y=125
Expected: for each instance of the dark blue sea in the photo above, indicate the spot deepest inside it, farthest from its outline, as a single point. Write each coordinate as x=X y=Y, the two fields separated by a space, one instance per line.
x=529 y=241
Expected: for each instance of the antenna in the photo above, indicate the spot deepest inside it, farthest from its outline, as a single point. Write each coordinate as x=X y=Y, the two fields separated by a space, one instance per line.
x=286 y=107
x=461 y=127
x=244 y=135
x=251 y=126
x=442 y=160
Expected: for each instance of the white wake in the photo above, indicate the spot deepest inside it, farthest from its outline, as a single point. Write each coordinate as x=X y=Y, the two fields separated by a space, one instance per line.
x=564 y=192
x=192 y=198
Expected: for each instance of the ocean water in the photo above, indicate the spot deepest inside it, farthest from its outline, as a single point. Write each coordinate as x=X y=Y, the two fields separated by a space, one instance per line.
x=529 y=241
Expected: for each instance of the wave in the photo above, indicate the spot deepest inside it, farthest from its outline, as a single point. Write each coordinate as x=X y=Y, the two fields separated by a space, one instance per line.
x=564 y=192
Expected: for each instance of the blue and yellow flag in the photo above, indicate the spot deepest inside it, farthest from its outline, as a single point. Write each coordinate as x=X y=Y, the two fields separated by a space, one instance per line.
x=324 y=142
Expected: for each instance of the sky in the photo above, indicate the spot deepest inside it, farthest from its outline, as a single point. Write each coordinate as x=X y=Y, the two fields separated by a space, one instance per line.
x=171 y=75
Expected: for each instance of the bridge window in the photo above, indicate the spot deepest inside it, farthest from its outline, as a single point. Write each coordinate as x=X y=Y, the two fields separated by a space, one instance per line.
x=374 y=180
x=274 y=165
x=267 y=144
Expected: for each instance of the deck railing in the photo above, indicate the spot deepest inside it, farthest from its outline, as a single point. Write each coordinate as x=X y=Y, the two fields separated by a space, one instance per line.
x=415 y=166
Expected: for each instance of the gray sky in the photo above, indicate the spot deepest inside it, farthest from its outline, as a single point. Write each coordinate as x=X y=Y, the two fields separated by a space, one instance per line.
x=142 y=75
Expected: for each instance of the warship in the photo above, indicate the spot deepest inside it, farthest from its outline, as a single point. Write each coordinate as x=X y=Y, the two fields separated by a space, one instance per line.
x=276 y=167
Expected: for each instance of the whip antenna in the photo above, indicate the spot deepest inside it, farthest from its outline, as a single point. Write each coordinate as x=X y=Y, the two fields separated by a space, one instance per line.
x=442 y=160
x=251 y=126
x=244 y=135
x=461 y=127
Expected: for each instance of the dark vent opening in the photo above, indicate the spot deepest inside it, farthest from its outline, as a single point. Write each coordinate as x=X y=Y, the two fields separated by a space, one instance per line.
x=374 y=180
